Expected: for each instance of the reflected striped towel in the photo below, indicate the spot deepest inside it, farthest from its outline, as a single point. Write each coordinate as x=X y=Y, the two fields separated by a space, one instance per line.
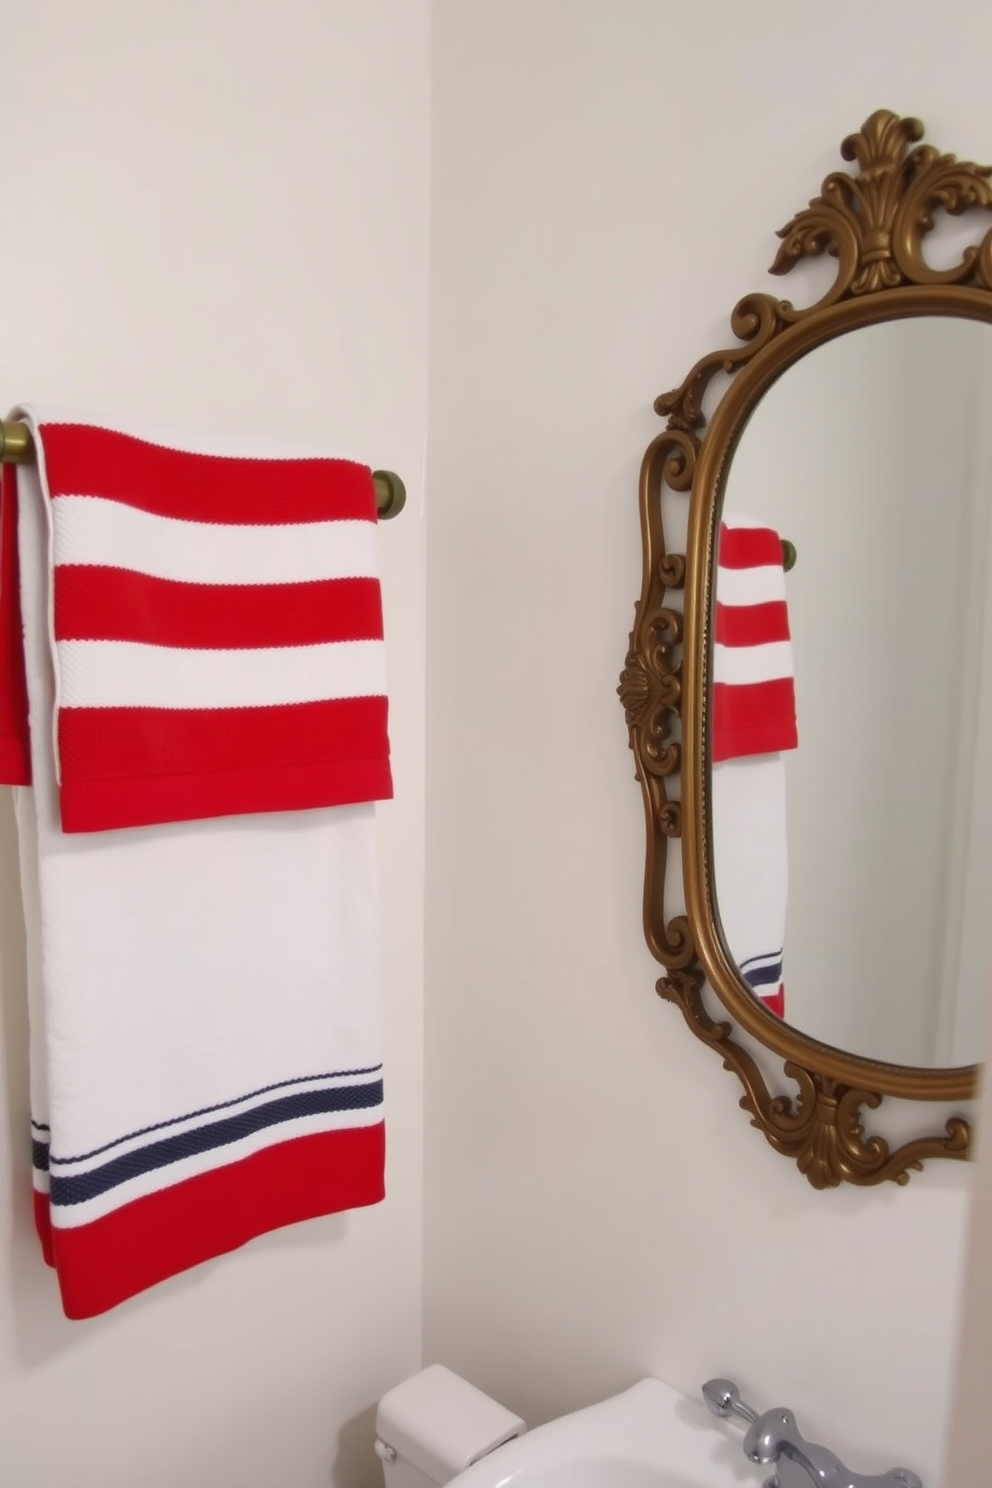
x=202 y=656
x=754 y=700
x=753 y=721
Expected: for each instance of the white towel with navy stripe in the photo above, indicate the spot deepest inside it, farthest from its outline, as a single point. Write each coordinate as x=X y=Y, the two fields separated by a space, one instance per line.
x=753 y=723
x=202 y=962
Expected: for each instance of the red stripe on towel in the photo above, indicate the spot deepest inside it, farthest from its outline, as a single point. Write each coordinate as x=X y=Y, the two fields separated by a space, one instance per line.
x=102 y=1264
x=105 y=743
x=81 y=460
x=749 y=547
x=118 y=604
x=775 y=1002
x=136 y=766
x=753 y=718
x=15 y=743
x=751 y=625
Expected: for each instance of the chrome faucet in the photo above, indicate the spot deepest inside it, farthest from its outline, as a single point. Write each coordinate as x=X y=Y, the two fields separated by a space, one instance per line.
x=774 y=1437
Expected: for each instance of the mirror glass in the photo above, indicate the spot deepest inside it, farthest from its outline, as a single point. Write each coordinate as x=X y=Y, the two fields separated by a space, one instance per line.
x=850 y=717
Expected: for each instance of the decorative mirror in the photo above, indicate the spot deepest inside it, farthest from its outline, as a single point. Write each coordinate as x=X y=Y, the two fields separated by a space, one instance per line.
x=812 y=728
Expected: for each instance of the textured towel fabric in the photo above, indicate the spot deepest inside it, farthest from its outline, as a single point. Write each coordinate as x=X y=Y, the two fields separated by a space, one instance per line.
x=205 y=1058
x=750 y=866
x=754 y=703
x=754 y=720
x=216 y=629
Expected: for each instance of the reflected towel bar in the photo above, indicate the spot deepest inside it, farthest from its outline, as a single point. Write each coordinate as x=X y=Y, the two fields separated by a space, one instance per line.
x=17 y=448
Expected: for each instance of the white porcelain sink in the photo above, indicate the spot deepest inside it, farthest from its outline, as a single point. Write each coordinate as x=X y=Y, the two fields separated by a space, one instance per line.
x=600 y=1472
x=648 y=1437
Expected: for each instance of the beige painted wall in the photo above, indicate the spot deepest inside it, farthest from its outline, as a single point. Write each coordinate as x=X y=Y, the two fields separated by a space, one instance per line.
x=215 y=214
x=607 y=179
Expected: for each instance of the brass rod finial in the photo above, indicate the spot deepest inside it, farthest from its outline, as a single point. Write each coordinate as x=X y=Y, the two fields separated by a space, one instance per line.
x=16 y=445
x=390 y=494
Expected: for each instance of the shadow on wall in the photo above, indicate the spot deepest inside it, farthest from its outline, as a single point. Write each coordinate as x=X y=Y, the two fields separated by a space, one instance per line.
x=356 y=1462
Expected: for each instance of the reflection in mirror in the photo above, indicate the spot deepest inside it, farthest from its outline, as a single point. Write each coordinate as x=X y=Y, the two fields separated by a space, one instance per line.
x=852 y=860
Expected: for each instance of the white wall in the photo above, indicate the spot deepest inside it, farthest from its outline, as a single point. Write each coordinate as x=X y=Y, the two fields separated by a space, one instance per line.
x=607 y=179
x=215 y=214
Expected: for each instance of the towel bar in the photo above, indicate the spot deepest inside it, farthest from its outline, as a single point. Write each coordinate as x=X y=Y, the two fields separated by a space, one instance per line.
x=17 y=448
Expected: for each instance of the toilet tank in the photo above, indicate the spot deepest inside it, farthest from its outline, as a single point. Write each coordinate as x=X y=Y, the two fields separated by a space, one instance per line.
x=433 y=1426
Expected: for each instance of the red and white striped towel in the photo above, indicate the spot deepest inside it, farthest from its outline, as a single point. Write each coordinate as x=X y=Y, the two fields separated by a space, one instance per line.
x=754 y=699
x=216 y=630
x=201 y=665
x=753 y=722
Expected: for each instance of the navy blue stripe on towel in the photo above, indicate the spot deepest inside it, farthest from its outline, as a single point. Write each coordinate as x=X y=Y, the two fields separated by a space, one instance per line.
x=763 y=975
x=143 y=1131
x=39 y=1155
x=77 y=1189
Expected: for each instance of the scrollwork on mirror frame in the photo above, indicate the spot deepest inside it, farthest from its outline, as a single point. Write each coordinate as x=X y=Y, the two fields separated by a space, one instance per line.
x=875 y=223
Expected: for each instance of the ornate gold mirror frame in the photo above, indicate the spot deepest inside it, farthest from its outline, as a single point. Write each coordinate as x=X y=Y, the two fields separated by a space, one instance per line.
x=874 y=223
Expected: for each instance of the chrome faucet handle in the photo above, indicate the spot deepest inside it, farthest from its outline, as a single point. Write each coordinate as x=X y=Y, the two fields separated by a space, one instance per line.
x=775 y=1438
x=724 y=1399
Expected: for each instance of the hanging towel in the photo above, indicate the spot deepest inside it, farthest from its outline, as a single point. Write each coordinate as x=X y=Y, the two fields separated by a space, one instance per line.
x=216 y=629
x=197 y=845
x=753 y=722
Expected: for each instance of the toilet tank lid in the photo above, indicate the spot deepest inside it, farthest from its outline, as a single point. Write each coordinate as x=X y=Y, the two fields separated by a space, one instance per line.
x=442 y=1424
